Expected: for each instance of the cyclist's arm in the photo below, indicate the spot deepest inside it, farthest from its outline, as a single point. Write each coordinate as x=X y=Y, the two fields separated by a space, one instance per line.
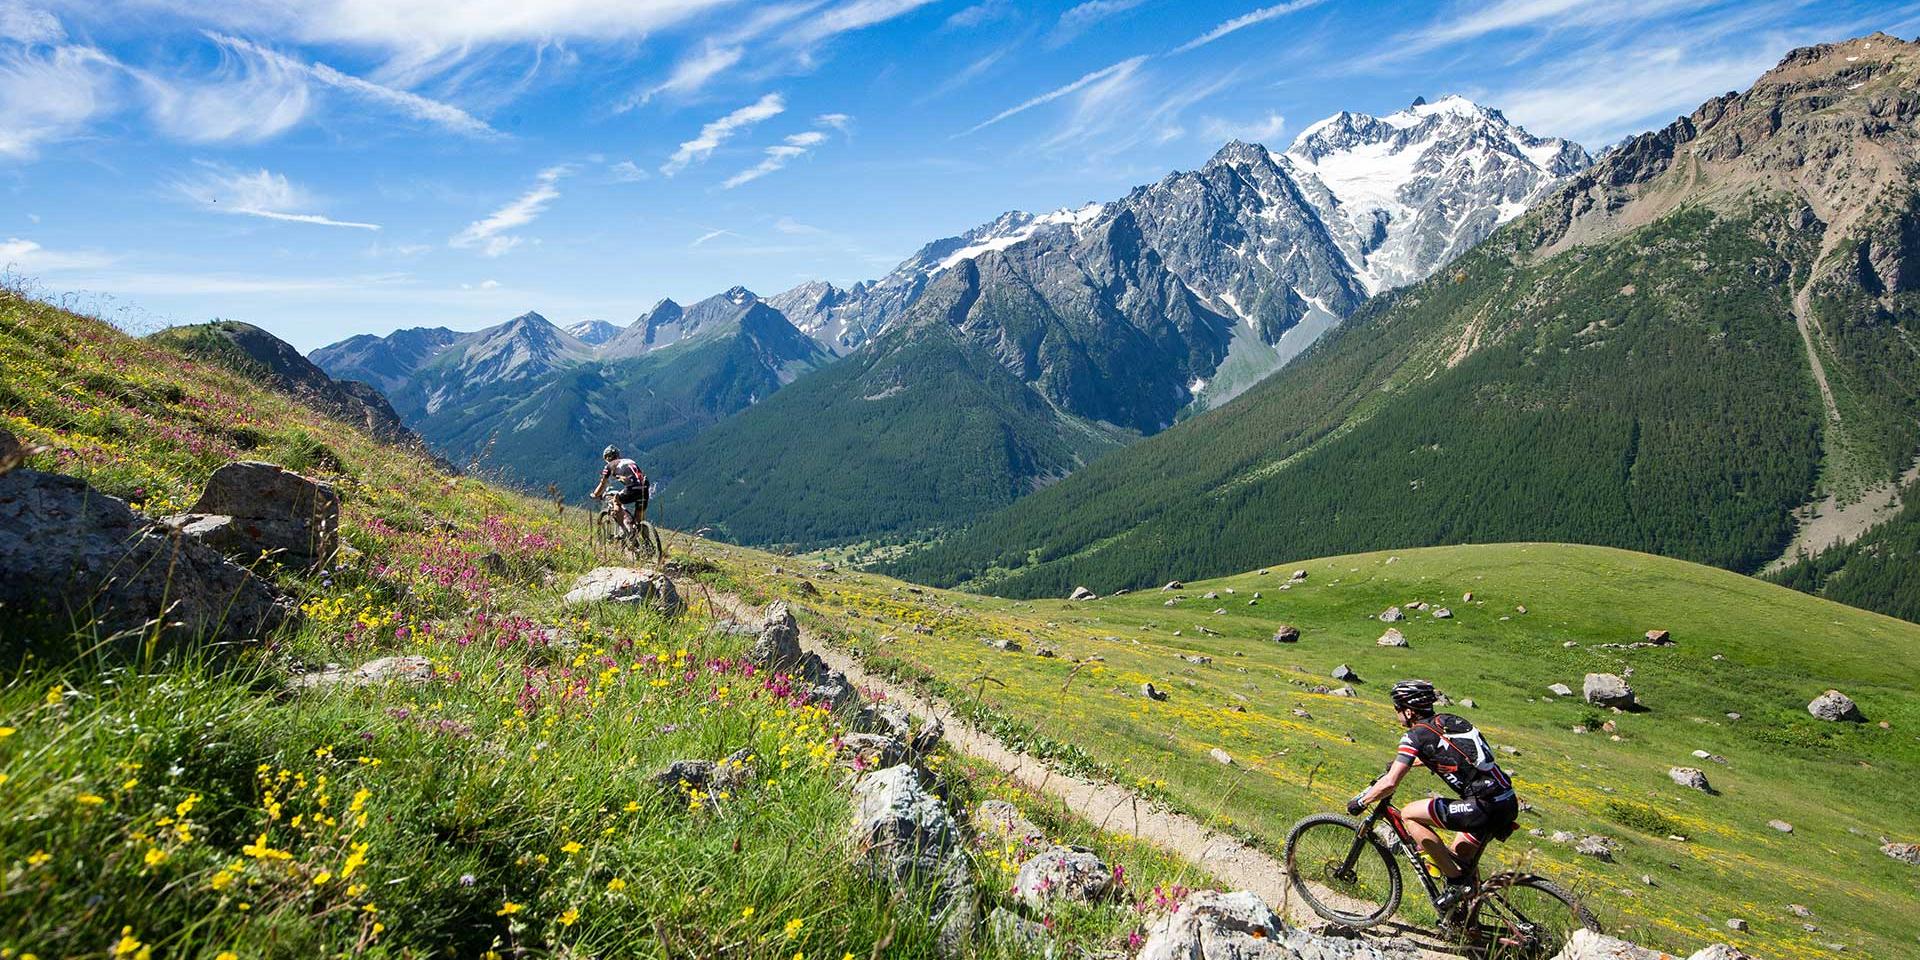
x=1388 y=782
x=601 y=487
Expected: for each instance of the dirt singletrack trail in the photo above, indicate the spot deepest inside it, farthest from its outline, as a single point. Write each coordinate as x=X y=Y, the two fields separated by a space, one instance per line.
x=1106 y=805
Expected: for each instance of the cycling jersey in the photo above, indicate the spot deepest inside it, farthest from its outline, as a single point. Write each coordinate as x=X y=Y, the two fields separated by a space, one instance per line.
x=1452 y=748
x=625 y=471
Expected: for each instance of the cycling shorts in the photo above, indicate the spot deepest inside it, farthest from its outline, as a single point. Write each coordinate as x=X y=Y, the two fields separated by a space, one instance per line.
x=1482 y=818
x=631 y=495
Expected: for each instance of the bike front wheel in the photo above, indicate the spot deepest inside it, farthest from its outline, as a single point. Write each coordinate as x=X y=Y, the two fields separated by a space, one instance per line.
x=1524 y=917
x=1343 y=873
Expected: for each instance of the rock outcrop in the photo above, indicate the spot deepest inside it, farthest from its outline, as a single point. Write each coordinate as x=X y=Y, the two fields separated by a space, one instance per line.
x=906 y=837
x=87 y=561
x=1063 y=873
x=253 y=510
x=626 y=585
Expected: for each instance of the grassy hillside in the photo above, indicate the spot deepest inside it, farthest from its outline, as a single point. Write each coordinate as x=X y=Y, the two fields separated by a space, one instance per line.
x=503 y=807
x=1742 y=646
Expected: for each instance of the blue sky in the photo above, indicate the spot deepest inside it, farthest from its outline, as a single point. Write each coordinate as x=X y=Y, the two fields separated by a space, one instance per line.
x=332 y=167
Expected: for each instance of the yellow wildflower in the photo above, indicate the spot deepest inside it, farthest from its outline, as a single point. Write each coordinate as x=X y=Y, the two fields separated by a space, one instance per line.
x=569 y=918
x=793 y=927
x=616 y=885
x=509 y=908
x=746 y=913
x=571 y=846
x=38 y=857
x=155 y=856
x=320 y=879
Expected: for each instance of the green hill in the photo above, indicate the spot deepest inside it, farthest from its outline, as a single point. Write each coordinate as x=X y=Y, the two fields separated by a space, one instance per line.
x=1622 y=365
x=503 y=804
x=1539 y=614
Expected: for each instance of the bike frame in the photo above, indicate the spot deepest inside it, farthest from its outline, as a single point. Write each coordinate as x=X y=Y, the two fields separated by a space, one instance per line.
x=1385 y=810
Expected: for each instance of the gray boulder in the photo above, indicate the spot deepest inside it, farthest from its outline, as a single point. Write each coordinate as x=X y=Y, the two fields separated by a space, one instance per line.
x=1692 y=778
x=1217 y=926
x=1719 y=951
x=1392 y=615
x=1392 y=638
x=1442 y=613
x=1597 y=847
x=626 y=585
x=1286 y=633
x=778 y=646
x=869 y=751
x=904 y=837
x=1151 y=692
x=1344 y=672
x=1607 y=690
x=411 y=669
x=80 y=557
x=1837 y=707
x=1560 y=690
x=1017 y=935
x=1002 y=822
x=252 y=509
x=1903 y=852
x=1082 y=593
x=1587 y=945
x=1063 y=873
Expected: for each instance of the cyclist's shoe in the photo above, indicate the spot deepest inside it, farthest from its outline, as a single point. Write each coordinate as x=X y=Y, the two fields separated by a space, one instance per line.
x=1454 y=896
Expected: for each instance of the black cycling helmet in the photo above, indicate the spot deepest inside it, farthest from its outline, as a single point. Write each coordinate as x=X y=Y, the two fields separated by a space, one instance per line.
x=610 y=452
x=1414 y=695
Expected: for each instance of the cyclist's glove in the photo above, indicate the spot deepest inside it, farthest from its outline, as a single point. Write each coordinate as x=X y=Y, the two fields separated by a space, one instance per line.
x=1356 y=805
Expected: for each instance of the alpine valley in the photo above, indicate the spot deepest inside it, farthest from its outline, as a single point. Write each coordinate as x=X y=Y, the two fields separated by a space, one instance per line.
x=1701 y=346
x=989 y=364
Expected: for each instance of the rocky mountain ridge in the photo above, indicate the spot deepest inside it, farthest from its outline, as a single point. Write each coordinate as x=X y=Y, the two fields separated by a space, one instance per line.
x=1589 y=373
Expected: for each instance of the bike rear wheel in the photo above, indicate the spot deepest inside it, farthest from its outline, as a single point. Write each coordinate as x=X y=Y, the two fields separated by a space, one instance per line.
x=1524 y=917
x=1354 y=887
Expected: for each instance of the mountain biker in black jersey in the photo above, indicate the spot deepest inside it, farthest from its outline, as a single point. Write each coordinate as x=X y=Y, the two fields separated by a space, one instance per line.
x=633 y=483
x=1456 y=752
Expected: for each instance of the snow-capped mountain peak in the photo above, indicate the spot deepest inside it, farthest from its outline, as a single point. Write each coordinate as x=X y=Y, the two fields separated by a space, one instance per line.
x=1411 y=190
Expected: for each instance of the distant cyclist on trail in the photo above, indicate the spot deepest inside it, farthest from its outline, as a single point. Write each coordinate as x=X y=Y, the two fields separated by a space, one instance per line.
x=1455 y=751
x=633 y=493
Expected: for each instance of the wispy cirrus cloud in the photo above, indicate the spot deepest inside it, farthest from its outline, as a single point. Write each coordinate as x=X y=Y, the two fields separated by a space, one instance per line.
x=51 y=95
x=31 y=257
x=844 y=18
x=1080 y=18
x=412 y=105
x=251 y=96
x=980 y=14
x=1266 y=129
x=1244 y=21
x=262 y=193
x=1107 y=76
x=717 y=132
x=690 y=74
x=792 y=148
x=491 y=233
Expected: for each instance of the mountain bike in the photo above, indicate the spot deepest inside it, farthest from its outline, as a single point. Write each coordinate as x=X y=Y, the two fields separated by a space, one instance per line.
x=1346 y=872
x=614 y=525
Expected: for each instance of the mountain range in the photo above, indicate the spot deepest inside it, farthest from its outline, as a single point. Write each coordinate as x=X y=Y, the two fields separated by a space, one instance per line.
x=1701 y=347
x=991 y=363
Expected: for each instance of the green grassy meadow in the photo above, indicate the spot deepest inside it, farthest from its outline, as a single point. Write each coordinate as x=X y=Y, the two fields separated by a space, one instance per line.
x=158 y=809
x=1742 y=646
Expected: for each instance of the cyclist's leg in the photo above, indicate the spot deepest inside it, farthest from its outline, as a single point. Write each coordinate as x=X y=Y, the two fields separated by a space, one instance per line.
x=1423 y=825
x=649 y=532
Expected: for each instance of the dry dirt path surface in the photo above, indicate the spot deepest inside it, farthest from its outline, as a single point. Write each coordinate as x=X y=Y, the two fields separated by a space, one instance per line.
x=1106 y=805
